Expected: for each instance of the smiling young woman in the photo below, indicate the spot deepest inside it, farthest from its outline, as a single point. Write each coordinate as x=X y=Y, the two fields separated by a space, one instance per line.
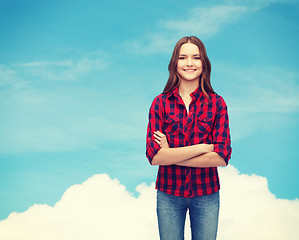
x=188 y=137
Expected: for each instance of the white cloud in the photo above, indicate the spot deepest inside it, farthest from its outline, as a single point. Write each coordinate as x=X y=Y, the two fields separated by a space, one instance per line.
x=66 y=63
x=64 y=70
x=204 y=21
x=250 y=211
x=8 y=77
x=159 y=42
x=258 y=4
x=201 y=21
x=101 y=208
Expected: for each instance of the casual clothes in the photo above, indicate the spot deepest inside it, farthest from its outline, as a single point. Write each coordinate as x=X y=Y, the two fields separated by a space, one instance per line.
x=206 y=122
x=203 y=212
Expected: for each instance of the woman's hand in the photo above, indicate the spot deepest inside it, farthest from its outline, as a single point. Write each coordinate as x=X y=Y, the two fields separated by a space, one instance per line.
x=161 y=139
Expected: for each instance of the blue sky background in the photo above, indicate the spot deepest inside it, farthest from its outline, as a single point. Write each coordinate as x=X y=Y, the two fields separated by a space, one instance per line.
x=77 y=79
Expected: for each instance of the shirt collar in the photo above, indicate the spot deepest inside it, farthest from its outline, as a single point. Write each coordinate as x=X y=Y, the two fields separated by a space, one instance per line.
x=196 y=94
x=174 y=92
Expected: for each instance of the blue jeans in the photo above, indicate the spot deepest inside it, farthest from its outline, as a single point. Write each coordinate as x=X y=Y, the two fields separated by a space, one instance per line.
x=203 y=211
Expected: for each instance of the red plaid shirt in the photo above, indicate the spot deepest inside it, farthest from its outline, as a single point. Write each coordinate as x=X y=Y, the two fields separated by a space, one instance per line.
x=207 y=122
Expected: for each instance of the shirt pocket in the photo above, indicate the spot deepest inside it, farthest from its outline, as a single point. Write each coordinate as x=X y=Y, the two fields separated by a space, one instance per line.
x=203 y=124
x=172 y=124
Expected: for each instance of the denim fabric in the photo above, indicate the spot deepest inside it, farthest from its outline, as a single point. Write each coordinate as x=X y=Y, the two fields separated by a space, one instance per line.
x=203 y=211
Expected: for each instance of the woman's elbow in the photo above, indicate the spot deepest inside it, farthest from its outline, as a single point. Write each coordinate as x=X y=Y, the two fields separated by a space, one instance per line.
x=158 y=158
x=222 y=163
x=155 y=160
x=220 y=160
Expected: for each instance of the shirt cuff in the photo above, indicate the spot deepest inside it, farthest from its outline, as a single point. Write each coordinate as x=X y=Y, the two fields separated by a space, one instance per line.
x=152 y=149
x=223 y=151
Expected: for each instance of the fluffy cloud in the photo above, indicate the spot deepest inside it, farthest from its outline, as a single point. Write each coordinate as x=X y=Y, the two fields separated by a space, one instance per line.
x=102 y=208
x=250 y=211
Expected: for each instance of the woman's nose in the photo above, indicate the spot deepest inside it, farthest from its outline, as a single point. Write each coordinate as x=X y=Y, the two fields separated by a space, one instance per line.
x=189 y=62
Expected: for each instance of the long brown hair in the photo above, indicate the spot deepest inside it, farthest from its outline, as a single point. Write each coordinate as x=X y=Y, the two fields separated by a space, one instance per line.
x=204 y=79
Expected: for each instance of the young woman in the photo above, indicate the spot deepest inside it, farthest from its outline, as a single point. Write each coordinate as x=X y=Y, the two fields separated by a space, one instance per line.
x=188 y=137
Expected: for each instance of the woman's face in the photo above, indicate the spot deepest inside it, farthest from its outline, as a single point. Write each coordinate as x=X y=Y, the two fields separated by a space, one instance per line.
x=189 y=66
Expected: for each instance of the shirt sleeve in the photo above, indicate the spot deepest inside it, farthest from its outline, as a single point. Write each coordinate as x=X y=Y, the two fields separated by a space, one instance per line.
x=221 y=133
x=155 y=123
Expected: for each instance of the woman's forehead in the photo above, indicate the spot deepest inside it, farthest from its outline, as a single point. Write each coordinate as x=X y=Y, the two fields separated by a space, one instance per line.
x=189 y=48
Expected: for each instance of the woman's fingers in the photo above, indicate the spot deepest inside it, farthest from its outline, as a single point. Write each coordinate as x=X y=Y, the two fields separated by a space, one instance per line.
x=157 y=136
x=161 y=139
x=158 y=133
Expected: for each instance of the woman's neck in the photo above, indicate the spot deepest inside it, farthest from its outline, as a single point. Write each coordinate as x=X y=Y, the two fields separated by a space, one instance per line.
x=187 y=87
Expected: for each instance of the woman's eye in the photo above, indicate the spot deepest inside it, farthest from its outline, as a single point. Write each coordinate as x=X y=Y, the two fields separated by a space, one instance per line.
x=197 y=58
x=181 y=58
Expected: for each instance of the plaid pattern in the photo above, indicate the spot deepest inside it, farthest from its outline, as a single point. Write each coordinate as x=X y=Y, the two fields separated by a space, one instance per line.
x=207 y=122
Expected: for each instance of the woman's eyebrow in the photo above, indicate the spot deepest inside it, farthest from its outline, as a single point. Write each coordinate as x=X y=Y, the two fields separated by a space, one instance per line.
x=182 y=54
